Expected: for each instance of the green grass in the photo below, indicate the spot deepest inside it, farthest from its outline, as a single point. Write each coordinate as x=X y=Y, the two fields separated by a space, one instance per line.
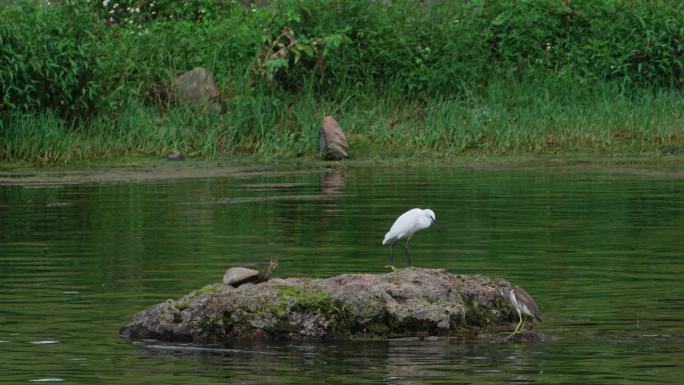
x=510 y=119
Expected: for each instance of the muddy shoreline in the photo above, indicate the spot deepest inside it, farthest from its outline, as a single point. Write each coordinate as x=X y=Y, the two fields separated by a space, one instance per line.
x=162 y=170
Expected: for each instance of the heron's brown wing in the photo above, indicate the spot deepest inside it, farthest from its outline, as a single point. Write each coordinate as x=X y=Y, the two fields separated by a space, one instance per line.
x=525 y=299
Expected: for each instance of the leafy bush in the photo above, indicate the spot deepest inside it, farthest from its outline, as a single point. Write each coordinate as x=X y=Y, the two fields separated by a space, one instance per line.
x=143 y=63
x=78 y=55
x=50 y=58
x=638 y=43
x=454 y=48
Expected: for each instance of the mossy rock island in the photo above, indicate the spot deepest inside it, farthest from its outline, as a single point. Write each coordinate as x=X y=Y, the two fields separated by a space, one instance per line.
x=408 y=302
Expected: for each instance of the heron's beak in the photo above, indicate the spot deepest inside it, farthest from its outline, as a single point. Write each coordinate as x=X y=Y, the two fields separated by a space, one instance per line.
x=435 y=224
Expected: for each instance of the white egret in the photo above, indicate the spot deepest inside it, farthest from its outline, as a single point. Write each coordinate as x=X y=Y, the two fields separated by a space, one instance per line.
x=522 y=302
x=405 y=226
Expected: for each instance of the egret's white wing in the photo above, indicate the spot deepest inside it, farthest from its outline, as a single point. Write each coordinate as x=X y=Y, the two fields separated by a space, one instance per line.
x=403 y=226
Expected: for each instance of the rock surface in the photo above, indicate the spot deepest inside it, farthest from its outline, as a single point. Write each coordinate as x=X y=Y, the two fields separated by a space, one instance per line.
x=409 y=302
x=332 y=141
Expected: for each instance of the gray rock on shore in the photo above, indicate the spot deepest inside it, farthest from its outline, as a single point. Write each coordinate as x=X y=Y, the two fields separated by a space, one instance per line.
x=197 y=88
x=410 y=302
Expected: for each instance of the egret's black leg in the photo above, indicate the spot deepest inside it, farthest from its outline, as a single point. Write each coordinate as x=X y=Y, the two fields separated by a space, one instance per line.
x=408 y=254
x=391 y=256
x=391 y=259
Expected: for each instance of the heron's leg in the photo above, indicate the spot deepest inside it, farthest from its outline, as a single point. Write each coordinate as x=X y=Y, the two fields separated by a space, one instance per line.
x=517 y=326
x=408 y=254
x=520 y=323
x=522 y=327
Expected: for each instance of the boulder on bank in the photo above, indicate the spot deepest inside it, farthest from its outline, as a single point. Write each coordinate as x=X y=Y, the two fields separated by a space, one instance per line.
x=332 y=141
x=197 y=88
x=409 y=302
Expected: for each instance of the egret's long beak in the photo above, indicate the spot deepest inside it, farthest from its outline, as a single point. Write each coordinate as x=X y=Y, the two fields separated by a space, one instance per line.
x=435 y=224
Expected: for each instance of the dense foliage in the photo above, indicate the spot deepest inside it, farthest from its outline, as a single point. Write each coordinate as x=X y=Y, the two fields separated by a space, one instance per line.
x=50 y=58
x=81 y=60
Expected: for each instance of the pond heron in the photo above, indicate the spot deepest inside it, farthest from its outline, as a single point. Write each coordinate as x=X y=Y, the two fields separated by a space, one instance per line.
x=405 y=226
x=522 y=302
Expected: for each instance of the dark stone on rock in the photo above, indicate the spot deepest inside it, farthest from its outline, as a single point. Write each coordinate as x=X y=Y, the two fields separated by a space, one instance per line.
x=197 y=88
x=176 y=155
x=332 y=141
x=409 y=302
x=529 y=336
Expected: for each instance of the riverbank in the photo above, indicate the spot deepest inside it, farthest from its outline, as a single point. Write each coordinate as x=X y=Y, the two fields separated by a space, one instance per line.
x=450 y=79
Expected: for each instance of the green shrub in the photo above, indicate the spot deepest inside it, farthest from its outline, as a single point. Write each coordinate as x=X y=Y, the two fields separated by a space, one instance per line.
x=638 y=43
x=50 y=59
x=143 y=62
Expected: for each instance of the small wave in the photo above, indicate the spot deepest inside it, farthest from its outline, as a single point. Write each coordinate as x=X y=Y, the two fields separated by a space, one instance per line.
x=201 y=349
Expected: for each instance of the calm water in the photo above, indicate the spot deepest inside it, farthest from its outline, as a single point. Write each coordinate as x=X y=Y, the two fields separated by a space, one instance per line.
x=601 y=253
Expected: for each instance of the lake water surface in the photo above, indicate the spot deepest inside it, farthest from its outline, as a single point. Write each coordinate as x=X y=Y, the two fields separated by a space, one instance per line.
x=601 y=252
